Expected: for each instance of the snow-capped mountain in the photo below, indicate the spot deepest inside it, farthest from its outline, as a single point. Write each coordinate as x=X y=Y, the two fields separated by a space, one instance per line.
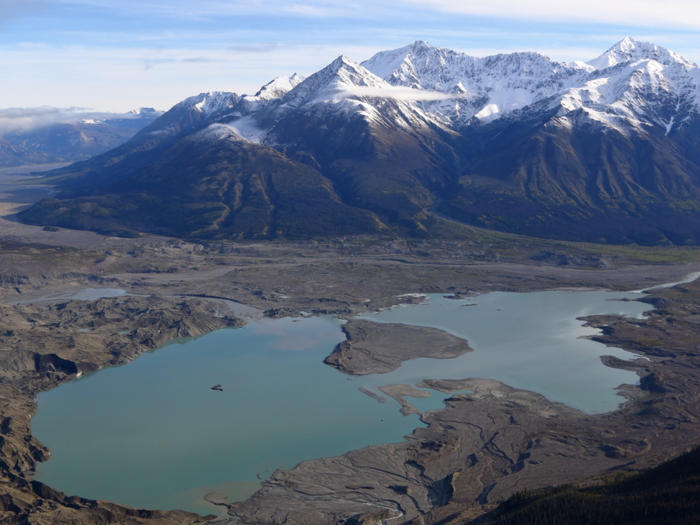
x=345 y=90
x=218 y=104
x=603 y=149
x=275 y=89
x=279 y=86
x=630 y=50
x=483 y=88
x=637 y=84
x=333 y=83
x=631 y=84
x=208 y=104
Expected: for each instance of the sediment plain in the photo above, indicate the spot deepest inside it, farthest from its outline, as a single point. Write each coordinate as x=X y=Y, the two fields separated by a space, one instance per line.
x=481 y=448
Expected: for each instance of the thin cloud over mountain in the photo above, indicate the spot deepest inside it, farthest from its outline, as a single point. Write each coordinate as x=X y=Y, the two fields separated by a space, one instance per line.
x=22 y=120
x=397 y=93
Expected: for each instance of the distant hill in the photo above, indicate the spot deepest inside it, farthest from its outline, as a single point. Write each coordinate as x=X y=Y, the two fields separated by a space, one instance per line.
x=68 y=142
x=603 y=151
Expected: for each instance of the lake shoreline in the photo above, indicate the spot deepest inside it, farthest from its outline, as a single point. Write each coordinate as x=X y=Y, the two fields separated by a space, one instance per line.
x=533 y=407
x=259 y=292
x=479 y=436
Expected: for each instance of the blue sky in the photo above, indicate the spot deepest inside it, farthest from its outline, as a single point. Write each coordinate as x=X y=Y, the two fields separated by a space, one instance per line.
x=118 y=55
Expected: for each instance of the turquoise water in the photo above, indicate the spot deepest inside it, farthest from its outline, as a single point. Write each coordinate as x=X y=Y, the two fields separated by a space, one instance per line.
x=153 y=434
x=531 y=341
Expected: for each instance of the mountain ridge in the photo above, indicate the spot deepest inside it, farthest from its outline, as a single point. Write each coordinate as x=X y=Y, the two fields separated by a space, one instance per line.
x=598 y=151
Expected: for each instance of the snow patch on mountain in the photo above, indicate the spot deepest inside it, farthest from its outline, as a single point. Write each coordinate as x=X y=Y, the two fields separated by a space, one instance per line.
x=492 y=86
x=217 y=132
x=248 y=129
x=630 y=85
x=578 y=64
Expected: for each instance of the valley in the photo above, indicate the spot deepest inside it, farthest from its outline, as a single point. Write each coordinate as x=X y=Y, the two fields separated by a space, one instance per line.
x=36 y=137
x=354 y=191
x=284 y=279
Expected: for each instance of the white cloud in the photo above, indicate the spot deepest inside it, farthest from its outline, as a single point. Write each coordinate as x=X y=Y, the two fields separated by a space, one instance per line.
x=218 y=8
x=649 y=13
x=264 y=47
x=150 y=63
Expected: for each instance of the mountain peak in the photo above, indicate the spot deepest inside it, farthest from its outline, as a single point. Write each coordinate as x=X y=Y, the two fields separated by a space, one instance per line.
x=279 y=86
x=629 y=50
x=494 y=85
x=627 y=43
x=338 y=63
x=338 y=77
x=419 y=45
x=209 y=102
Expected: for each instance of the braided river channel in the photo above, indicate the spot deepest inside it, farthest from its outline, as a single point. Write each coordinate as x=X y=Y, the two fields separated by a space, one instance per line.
x=153 y=433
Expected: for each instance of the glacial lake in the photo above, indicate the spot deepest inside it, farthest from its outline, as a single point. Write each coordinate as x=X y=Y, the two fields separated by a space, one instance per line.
x=153 y=434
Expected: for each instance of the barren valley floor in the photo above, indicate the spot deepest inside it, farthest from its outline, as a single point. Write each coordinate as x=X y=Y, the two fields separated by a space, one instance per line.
x=475 y=453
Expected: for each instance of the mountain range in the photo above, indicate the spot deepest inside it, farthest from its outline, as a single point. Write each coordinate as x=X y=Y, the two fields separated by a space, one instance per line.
x=603 y=151
x=71 y=141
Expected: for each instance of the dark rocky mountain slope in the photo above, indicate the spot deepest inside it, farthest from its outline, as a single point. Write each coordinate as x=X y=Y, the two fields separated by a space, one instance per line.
x=581 y=182
x=212 y=184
